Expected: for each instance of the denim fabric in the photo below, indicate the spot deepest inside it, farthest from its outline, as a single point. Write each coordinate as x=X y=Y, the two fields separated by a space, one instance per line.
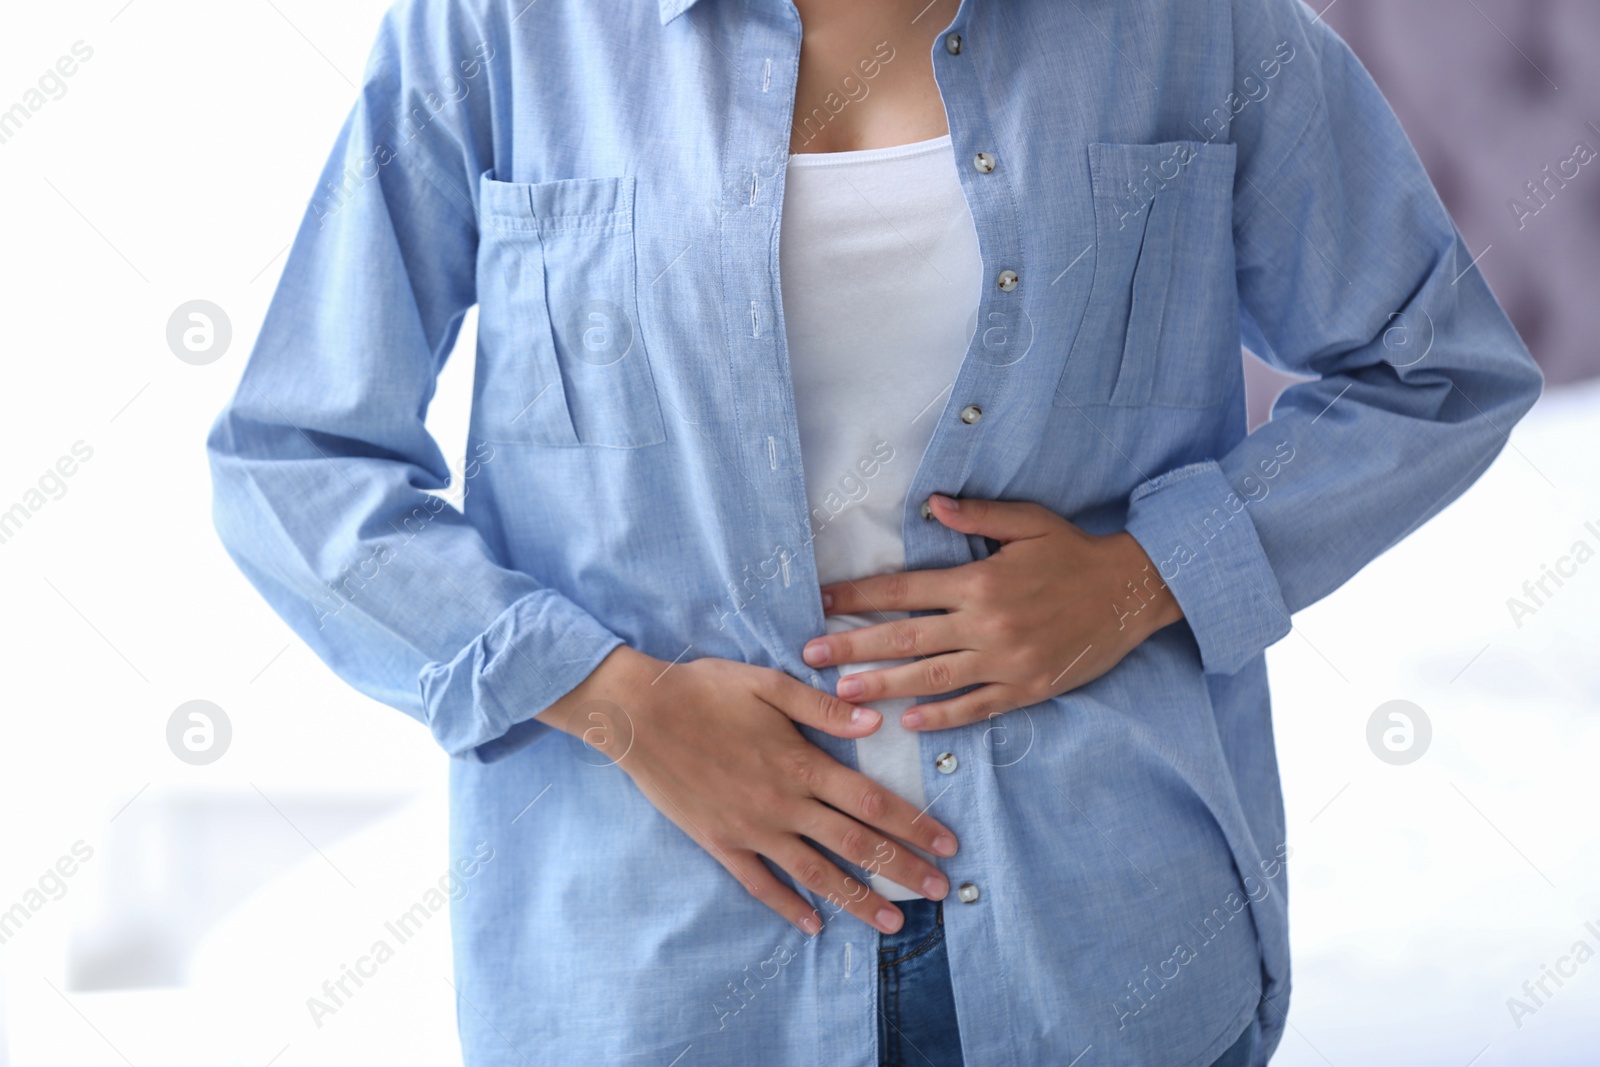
x=1243 y=1051
x=604 y=183
x=916 y=1004
x=917 y=1024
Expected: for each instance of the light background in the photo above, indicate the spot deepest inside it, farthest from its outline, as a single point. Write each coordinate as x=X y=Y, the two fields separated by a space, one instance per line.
x=218 y=898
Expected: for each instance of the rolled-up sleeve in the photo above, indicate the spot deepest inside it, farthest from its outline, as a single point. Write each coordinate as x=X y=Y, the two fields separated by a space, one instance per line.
x=1349 y=269
x=327 y=485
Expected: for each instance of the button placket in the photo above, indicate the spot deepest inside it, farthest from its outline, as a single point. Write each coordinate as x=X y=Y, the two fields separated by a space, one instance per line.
x=955 y=454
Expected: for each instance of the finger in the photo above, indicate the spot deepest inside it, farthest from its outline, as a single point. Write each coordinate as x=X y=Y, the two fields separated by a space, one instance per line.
x=867 y=848
x=924 y=678
x=898 y=591
x=868 y=802
x=765 y=887
x=898 y=639
x=1003 y=520
x=843 y=892
x=982 y=703
x=811 y=706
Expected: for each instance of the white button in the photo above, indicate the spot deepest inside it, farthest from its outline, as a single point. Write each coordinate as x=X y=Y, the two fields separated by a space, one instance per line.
x=984 y=162
x=952 y=43
x=1007 y=280
x=946 y=763
x=927 y=510
x=971 y=414
x=967 y=893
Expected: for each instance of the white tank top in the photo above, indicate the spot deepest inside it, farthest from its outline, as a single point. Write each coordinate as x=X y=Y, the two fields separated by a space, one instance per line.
x=881 y=278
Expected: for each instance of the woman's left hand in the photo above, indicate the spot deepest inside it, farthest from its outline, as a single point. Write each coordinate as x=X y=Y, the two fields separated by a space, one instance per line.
x=1053 y=609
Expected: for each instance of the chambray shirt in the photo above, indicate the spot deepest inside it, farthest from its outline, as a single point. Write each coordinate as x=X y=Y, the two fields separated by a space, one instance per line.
x=604 y=181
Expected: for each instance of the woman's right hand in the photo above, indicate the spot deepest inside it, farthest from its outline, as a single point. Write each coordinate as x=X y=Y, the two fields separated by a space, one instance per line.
x=713 y=744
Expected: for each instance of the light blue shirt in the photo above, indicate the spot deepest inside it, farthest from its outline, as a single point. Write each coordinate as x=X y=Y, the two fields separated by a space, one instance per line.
x=604 y=181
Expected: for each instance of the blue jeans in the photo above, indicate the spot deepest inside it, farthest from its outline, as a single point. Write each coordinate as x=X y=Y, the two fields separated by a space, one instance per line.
x=1241 y=1053
x=917 y=1008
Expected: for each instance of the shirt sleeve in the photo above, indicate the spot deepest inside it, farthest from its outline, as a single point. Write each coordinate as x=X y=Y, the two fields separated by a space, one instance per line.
x=326 y=482
x=1350 y=269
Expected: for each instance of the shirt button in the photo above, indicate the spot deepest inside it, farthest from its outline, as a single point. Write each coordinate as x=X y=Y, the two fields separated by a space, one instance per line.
x=952 y=43
x=984 y=162
x=1007 y=280
x=967 y=893
x=971 y=414
x=927 y=509
x=946 y=763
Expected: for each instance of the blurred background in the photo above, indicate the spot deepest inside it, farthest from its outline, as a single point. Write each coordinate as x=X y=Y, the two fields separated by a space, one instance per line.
x=200 y=825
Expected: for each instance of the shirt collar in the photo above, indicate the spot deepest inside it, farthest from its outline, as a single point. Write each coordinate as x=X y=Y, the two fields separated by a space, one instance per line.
x=671 y=9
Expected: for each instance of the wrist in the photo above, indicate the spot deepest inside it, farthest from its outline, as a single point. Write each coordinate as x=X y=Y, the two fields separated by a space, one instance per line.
x=1166 y=610
x=1149 y=603
x=612 y=688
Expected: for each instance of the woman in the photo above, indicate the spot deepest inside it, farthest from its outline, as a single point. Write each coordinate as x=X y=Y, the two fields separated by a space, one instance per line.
x=851 y=642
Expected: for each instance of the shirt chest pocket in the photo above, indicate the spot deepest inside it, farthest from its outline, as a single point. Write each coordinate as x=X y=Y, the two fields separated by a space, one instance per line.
x=560 y=359
x=1161 y=326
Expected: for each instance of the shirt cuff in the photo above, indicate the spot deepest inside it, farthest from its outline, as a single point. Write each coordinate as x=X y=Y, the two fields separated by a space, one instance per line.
x=1197 y=530
x=538 y=650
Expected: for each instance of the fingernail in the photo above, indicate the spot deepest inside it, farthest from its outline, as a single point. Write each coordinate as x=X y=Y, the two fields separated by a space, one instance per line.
x=851 y=687
x=815 y=653
x=811 y=925
x=912 y=719
x=865 y=717
x=951 y=502
x=935 y=887
x=888 y=920
x=944 y=845
x=827 y=601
